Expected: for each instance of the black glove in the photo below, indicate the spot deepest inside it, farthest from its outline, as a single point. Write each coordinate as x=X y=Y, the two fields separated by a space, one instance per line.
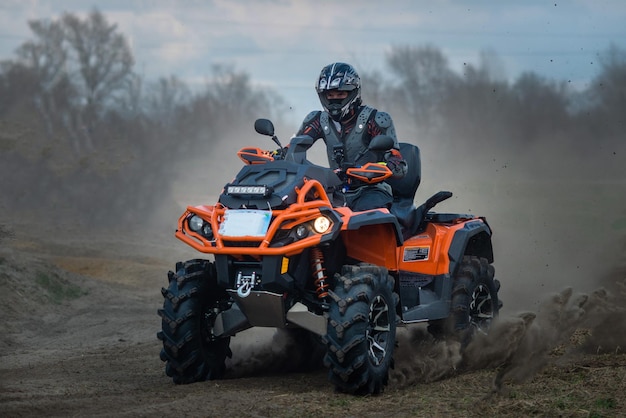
x=396 y=163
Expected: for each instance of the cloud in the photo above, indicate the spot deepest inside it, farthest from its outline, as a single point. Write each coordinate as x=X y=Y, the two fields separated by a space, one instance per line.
x=283 y=43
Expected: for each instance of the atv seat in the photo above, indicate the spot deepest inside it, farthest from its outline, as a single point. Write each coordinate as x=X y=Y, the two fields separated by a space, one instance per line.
x=404 y=189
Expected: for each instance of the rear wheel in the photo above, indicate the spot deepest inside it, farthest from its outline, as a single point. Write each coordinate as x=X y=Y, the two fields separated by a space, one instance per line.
x=474 y=302
x=361 y=330
x=192 y=300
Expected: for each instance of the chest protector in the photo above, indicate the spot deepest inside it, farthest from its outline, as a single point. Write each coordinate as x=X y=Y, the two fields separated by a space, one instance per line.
x=352 y=144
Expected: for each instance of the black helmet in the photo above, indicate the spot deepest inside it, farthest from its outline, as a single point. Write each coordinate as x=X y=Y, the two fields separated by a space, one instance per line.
x=343 y=77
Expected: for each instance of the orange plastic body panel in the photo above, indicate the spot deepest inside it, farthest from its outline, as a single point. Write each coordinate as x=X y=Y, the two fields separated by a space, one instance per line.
x=375 y=244
x=370 y=173
x=427 y=253
x=254 y=155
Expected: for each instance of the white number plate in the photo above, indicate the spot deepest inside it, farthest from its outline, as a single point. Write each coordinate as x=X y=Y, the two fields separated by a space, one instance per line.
x=245 y=223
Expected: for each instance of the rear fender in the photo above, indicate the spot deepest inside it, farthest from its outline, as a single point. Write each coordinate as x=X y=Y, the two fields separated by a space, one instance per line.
x=474 y=238
x=439 y=249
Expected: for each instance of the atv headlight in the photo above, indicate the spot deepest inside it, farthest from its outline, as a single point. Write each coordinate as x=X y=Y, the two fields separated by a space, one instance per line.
x=200 y=226
x=207 y=231
x=196 y=223
x=301 y=231
x=321 y=224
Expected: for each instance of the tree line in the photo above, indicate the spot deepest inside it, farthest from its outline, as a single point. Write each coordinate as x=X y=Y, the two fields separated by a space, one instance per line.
x=73 y=92
x=480 y=107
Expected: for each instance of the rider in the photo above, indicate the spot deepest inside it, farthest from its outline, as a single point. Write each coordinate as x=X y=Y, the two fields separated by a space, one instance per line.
x=349 y=126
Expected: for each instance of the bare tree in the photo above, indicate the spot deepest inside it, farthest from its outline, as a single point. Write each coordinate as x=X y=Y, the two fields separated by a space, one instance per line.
x=541 y=106
x=46 y=57
x=80 y=67
x=17 y=82
x=234 y=92
x=231 y=97
x=609 y=88
x=422 y=78
x=165 y=101
x=103 y=60
x=129 y=102
x=375 y=90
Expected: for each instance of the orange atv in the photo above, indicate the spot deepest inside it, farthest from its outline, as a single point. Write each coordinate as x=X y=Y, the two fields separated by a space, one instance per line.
x=288 y=253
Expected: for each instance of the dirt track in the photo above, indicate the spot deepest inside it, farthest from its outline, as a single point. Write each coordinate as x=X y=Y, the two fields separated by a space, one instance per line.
x=79 y=324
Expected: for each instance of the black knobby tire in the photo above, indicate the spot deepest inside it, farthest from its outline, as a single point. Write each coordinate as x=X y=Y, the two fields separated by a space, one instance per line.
x=474 y=302
x=188 y=310
x=361 y=332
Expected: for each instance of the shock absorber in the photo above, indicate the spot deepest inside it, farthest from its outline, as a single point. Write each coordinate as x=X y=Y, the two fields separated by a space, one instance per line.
x=319 y=272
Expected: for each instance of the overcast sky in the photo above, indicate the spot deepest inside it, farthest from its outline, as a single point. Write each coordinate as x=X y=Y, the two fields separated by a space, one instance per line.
x=283 y=44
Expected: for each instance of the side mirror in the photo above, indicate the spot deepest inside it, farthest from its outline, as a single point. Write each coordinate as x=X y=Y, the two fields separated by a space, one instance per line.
x=264 y=127
x=381 y=143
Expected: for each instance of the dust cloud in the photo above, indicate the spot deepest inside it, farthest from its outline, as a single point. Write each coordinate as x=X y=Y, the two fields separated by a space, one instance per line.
x=267 y=351
x=557 y=209
x=521 y=345
x=566 y=324
x=557 y=212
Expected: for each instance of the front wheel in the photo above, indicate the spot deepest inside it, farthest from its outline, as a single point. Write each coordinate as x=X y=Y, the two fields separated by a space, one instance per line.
x=191 y=302
x=361 y=332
